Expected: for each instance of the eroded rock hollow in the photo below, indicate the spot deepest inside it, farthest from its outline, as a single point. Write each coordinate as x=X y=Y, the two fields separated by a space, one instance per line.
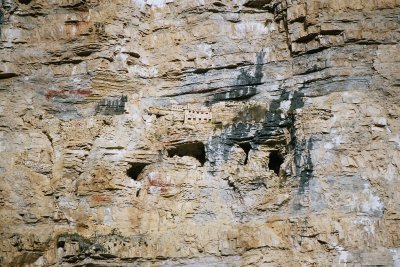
x=199 y=133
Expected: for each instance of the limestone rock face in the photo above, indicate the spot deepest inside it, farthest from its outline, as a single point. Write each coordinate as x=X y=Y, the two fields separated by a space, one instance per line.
x=199 y=133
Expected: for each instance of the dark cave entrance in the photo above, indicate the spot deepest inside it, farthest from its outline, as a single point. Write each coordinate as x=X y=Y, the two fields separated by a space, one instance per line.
x=246 y=148
x=25 y=2
x=194 y=149
x=135 y=169
x=275 y=161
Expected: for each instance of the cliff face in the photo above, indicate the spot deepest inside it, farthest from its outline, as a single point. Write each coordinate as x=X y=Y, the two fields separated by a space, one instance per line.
x=200 y=133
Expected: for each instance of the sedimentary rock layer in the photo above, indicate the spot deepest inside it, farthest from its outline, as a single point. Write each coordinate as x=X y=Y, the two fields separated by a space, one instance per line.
x=199 y=133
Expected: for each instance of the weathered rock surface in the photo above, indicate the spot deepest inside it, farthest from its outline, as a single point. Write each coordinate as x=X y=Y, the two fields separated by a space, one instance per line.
x=199 y=133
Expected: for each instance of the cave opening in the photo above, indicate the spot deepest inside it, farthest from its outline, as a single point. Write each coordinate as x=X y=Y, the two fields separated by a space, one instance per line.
x=275 y=161
x=61 y=242
x=135 y=169
x=246 y=148
x=25 y=2
x=193 y=149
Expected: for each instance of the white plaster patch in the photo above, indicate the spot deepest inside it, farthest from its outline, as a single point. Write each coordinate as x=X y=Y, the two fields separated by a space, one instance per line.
x=152 y=3
x=58 y=154
x=328 y=145
x=373 y=203
x=396 y=140
x=391 y=172
x=60 y=252
x=135 y=113
x=205 y=49
x=9 y=35
x=83 y=203
x=379 y=121
x=153 y=175
x=76 y=80
x=338 y=140
x=135 y=184
x=143 y=72
x=73 y=71
x=65 y=202
x=396 y=257
x=122 y=59
x=2 y=146
x=90 y=123
x=139 y=3
x=159 y=3
x=268 y=56
x=149 y=119
x=39 y=262
x=285 y=105
x=367 y=223
x=218 y=148
x=250 y=28
x=343 y=254
x=73 y=30
x=108 y=216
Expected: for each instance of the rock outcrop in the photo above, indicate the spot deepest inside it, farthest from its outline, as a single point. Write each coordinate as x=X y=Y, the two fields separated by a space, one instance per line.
x=199 y=133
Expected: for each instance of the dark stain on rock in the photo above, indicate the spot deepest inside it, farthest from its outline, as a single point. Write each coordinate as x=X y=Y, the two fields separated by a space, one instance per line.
x=84 y=243
x=236 y=93
x=270 y=132
x=1 y=18
x=275 y=104
x=301 y=148
x=246 y=83
x=217 y=149
x=302 y=153
x=297 y=101
x=251 y=114
x=247 y=79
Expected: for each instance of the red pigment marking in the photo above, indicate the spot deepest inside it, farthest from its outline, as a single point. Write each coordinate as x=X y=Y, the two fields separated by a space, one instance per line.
x=52 y=93
x=158 y=182
x=164 y=189
x=76 y=27
x=100 y=198
x=83 y=92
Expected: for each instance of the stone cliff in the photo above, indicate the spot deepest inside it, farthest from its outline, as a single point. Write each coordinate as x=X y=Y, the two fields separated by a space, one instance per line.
x=199 y=132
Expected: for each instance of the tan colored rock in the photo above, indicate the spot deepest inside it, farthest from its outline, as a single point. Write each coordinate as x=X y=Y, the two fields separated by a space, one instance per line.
x=199 y=133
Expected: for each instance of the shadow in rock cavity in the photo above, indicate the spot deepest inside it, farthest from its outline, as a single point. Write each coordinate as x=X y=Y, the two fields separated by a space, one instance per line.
x=192 y=149
x=246 y=146
x=275 y=161
x=136 y=169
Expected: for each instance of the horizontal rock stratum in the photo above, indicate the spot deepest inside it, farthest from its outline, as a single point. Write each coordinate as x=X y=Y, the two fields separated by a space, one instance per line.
x=199 y=133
